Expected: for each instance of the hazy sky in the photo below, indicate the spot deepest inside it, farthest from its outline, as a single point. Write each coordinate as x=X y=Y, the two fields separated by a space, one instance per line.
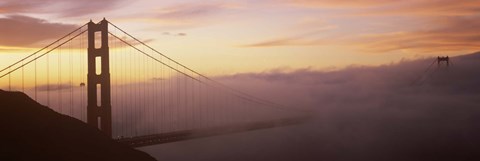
x=233 y=36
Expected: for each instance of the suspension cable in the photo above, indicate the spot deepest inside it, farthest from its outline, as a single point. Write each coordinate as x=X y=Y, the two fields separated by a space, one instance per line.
x=58 y=40
x=237 y=93
x=43 y=54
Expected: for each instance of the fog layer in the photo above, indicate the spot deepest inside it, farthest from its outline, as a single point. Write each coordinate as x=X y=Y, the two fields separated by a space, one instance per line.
x=392 y=112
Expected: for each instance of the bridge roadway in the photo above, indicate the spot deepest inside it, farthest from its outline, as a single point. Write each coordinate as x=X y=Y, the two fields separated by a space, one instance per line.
x=181 y=135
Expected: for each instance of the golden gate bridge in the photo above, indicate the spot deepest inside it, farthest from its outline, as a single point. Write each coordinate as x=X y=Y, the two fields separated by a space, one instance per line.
x=134 y=93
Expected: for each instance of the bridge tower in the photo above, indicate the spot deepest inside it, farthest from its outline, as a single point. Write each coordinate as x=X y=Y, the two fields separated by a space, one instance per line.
x=99 y=108
x=445 y=60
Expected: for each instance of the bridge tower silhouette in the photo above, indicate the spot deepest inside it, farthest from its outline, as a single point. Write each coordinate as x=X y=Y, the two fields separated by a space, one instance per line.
x=443 y=60
x=99 y=108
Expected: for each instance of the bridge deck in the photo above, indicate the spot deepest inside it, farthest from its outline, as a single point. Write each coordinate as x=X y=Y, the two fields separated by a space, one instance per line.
x=207 y=132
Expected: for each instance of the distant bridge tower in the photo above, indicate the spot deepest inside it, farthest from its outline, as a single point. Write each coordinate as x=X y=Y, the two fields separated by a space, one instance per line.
x=443 y=60
x=99 y=108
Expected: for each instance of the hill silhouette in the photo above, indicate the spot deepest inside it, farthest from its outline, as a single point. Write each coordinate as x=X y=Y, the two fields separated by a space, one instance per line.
x=31 y=131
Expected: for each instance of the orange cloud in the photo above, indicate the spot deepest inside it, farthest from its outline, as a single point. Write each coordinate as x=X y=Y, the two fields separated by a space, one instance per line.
x=452 y=25
x=449 y=34
x=395 y=7
x=337 y=3
x=426 y=8
x=452 y=34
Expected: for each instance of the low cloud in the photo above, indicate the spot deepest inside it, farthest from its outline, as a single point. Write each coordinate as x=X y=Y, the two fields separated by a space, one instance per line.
x=174 y=34
x=54 y=87
x=363 y=113
x=371 y=82
x=158 y=79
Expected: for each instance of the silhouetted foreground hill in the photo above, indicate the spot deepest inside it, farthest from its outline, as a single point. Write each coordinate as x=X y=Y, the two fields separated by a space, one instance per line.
x=30 y=131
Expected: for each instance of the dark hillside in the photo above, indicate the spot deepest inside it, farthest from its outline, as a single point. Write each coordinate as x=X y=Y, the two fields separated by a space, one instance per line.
x=30 y=131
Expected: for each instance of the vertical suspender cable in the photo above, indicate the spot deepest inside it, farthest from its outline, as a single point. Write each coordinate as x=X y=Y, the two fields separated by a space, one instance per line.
x=9 y=80
x=48 y=80
x=59 y=80
x=71 y=77
x=23 y=78
x=35 y=79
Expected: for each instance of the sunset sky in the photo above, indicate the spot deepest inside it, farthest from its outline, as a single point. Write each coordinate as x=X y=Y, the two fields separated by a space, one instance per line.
x=233 y=36
x=363 y=72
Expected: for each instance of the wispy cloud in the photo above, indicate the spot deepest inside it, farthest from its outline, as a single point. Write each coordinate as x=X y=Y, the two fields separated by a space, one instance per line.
x=188 y=11
x=188 y=15
x=433 y=8
x=450 y=34
x=121 y=39
x=293 y=41
x=440 y=25
x=174 y=34
x=67 y=8
x=354 y=8
x=303 y=39
x=394 y=7
x=336 y=3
